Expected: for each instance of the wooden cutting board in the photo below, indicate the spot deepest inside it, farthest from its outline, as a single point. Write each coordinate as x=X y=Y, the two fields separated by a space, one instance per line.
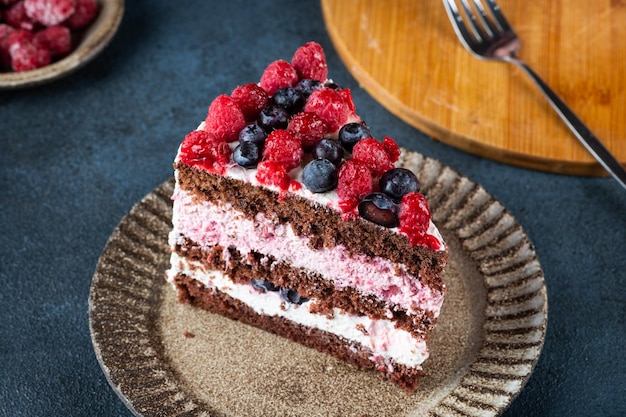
x=406 y=55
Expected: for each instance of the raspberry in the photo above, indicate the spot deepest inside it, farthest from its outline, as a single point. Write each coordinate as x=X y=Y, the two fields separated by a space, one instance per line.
x=25 y=54
x=57 y=39
x=273 y=173
x=7 y=2
x=391 y=149
x=329 y=106
x=347 y=97
x=415 y=218
x=16 y=17
x=283 y=148
x=308 y=128
x=86 y=11
x=203 y=149
x=224 y=119
x=251 y=99
x=5 y=57
x=372 y=153
x=49 y=12
x=354 y=182
x=277 y=75
x=310 y=62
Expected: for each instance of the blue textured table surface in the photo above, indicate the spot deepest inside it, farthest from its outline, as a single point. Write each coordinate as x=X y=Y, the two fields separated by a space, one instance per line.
x=76 y=154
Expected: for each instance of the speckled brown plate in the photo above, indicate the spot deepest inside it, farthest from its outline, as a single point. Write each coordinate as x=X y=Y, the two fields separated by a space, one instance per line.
x=167 y=359
x=96 y=37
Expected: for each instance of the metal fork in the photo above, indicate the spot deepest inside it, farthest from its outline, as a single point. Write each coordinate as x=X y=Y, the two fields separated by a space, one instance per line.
x=486 y=34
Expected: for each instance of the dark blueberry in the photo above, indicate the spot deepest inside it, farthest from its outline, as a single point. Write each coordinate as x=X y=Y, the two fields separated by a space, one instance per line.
x=308 y=85
x=247 y=155
x=263 y=286
x=380 y=209
x=333 y=85
x=329 y=149
x=319 y=176
x=273 y=117
x=253 y=133
x=289 y=98
x=351 y=133
x=292 y=296
x=398 y=182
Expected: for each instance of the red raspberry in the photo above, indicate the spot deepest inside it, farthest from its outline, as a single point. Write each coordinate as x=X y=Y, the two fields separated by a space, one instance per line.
x=16 y=16
x=347 y=97
x=86 y=12
x=414 y=217
x=25 y=54
x=329 y=106
x=283 y=148
x=372 y=153
x=273 y=173
x=308 y=128
x=391 y=148
x=251 y=99
x=354 y=181
x=277 y=75
x=310 y=62
x=7 y=2
x=57 y=39
x=201 y=148
x=224 y=119
x=5 y=57
x=49 y=12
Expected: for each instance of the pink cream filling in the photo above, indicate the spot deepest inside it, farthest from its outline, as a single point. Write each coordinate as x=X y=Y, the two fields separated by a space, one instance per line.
x=209 y=224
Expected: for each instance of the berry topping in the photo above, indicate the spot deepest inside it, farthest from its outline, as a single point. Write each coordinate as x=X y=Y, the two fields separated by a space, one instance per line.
x=16 y=17
x=57 y=39
x=86 y=12
x=398 y=182
x=25 y=54
x=372 y=154
x=329 y=106
x=49 y=12
x=278 y=74
x=224 y=119
x=319 y=176
x=329 y=149
x=203 y=149
x=307 y=127
x=290 y=99
x=391 y=148
x=251 y=99
x=247 y=155
x=274 y=174
x=310 y=62
x=354 y=181
x=347 y=97
x=351 y=133
x=292 y=296
x=414 y=217
x=263 y=286
x=281 y=147
x=379 y=208
x=253 y=133
x=273 y=117
x=307 y=86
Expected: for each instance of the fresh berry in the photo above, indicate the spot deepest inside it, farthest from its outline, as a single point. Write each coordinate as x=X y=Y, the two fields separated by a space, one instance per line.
x=351 y=133
x=274 y=174
x=251 y=99
x=307 y=86
x=309 y=61
x=283 y=148
x=372 y=154
x=307 y=127
x=263 y=286
x=57 y=39
x=379 y=208
x=224 y=119
x=203 y=149
x=290 y=99
x=253 y=133
x=27 y=55
x=330 y=106
x=391 y=149
x=16 y=17
x=273 y=117
x=86 y=11
x=247 y=155
x=278 y=74
x=319 y=176
x=354 y=181
x=329 y=149
x=49 y=12
x=292 y=296
x=347 y=97
x=414 y=217
x=398 y=182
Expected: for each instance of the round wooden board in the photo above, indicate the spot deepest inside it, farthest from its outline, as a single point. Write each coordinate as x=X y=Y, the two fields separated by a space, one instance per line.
x=406 y=55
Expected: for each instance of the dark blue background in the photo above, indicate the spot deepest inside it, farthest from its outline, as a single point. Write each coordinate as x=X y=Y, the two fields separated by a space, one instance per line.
x=76 y=154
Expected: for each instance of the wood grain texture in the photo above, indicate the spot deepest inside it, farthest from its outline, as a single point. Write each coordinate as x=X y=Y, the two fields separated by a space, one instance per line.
x=405 y=54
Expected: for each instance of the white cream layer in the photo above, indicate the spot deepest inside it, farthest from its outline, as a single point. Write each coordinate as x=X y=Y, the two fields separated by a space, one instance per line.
x=381 y=336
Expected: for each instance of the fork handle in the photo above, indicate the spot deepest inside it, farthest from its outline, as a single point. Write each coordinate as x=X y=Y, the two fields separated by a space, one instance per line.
x=580 y=130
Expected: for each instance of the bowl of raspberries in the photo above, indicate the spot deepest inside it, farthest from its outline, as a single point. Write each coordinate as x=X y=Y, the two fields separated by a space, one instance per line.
x=43 y=40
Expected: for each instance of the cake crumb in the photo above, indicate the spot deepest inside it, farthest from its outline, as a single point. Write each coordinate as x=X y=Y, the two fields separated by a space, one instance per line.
x=188 y=334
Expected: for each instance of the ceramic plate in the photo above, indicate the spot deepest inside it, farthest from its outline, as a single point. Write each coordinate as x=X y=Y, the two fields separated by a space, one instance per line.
x=165 y=358
x=96 y=37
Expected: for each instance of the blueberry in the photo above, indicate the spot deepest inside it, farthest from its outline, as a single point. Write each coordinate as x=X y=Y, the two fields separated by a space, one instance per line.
x=379 y=208
x=320 y=175
x=351 y=133
x=263 y=286
x=289 y=98
x=247 y=155
x=398 y=182
x=292 y=296
x=273 y=117
x=329 y=149
x=307 y=86
x=253 y=133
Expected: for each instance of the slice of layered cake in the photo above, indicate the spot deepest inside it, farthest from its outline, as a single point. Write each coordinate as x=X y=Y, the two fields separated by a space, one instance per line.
x=290 y=216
